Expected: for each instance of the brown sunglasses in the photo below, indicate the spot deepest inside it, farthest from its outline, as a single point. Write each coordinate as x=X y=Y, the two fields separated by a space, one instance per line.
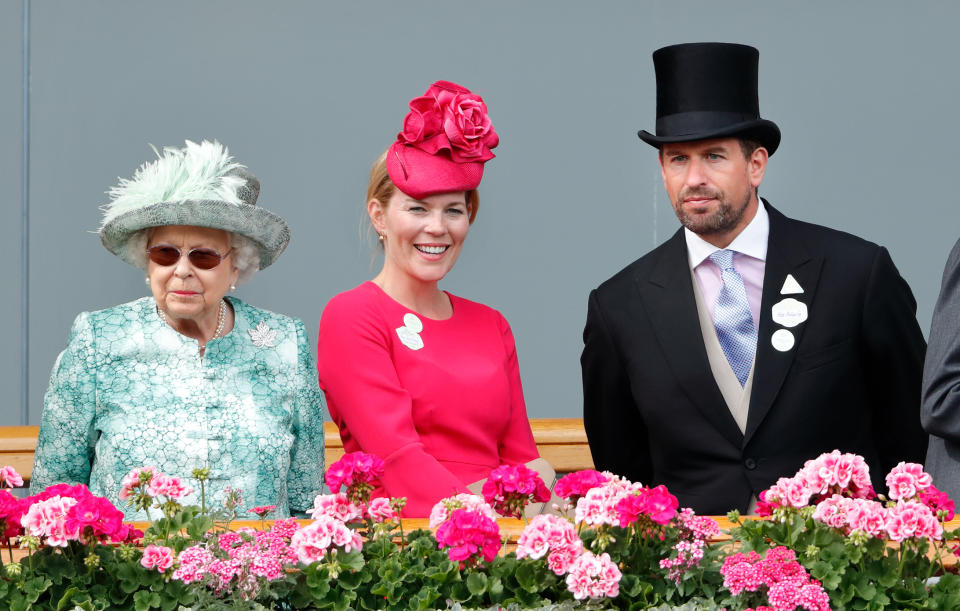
x=201 y=258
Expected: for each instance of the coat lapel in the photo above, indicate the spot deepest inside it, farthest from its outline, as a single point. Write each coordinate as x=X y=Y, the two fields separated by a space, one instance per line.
x=667 y=294
x=786 y=254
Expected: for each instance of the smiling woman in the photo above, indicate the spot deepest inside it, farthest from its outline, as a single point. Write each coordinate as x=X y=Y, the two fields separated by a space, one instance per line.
x=424 y=379
x=188 y=378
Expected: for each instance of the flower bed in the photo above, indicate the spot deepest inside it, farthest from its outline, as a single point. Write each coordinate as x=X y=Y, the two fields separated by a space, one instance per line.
x=827 y=541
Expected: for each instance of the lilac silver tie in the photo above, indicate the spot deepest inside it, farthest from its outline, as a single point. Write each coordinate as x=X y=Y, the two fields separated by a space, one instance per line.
x=732 y=318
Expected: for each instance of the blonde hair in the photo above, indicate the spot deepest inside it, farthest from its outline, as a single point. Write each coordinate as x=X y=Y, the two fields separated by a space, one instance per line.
x=381 y=188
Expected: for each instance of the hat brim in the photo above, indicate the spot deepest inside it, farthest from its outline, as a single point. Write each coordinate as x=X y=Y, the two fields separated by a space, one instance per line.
x=763 y=131
x=270 y=232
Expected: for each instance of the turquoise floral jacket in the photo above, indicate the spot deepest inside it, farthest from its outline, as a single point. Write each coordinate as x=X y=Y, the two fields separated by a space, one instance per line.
x=129 y=391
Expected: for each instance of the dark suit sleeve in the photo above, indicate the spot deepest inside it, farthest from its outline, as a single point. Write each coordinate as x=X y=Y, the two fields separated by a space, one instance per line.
x=894 y=350
x=615 y=430
x=940 y=409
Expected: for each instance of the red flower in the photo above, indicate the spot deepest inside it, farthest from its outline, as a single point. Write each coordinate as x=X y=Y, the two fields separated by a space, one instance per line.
x=470 y=535
x=354 y=468
x=579 y=483
x=510 y=487
x=655 y=503
x=661 y=505
x=11 y=510
x=95 y=517
x=937 y=501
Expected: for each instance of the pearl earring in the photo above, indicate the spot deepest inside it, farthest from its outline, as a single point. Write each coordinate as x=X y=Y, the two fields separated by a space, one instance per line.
x=233 y=287
x=147 y=280
x=380 y=237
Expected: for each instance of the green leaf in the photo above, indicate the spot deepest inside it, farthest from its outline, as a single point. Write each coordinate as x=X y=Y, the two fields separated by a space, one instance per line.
x=74 y=598
x=476 y=583
x=353 y=560
x=33 y=588
x=144 y=600
x=526 y=576
x=199 y=526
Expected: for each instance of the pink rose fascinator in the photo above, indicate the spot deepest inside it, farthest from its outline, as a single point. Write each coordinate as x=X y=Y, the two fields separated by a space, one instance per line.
x=447 y=137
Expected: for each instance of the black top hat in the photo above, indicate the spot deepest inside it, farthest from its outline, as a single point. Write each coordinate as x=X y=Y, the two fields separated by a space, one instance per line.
x=709 y=90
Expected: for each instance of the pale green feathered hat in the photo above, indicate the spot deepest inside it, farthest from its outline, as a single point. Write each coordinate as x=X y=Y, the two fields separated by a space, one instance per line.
x=199 y=185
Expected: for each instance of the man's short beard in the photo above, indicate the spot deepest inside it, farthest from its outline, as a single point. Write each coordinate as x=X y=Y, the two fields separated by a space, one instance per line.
x=723 y=220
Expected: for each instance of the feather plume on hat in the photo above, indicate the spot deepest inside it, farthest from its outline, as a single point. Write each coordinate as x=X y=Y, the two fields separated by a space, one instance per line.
x=199 y=185
x=197 y=171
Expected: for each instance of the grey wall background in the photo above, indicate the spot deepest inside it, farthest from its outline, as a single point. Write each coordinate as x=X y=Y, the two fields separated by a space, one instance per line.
x=308 y=94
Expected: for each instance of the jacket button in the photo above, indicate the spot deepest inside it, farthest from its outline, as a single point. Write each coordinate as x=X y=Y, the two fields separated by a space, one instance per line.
x=750 y=464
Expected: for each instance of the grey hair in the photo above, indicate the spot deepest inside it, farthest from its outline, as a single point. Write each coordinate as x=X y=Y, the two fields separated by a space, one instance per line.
x=246 y=253
x=246 y=257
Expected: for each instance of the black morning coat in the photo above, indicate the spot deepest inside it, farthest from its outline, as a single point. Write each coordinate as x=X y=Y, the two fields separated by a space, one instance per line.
x=654 y=414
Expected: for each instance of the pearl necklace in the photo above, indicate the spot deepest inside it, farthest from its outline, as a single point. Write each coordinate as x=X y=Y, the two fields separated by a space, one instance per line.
x=221 y=322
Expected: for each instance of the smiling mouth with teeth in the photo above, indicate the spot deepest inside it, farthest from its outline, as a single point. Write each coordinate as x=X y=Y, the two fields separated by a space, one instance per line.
x=432 y=250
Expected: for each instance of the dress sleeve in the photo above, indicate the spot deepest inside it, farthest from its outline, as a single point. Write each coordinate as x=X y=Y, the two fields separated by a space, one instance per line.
x=65 y=447
x=305 y=479
x=366 y=399
x=517 y=444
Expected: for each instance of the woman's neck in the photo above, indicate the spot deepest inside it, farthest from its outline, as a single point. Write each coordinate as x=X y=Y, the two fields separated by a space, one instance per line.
x=203 y=329
x=425 y=298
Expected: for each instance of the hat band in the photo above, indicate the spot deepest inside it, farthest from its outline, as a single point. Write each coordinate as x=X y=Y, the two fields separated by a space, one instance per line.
x=687 y=123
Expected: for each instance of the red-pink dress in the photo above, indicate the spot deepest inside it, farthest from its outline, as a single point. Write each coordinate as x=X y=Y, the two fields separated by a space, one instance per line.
x=442 y=405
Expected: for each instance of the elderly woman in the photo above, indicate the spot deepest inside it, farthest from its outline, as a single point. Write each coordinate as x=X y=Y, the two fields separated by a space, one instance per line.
x=424 y=379
x=188 y=377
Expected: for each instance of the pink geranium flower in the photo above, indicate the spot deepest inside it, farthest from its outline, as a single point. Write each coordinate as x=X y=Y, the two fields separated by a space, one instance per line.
x=777 y=574
x=694 y=534
x=554 y=535
x=263 y=510
x=354 y=468
x=907 y=480
x=592 y=576
x=357 y=471
x=157 y=557
x=442 y=510
x=575 y=485
x=47 y=519
x=11 y=510
x=380 y=510
x=509 y=488
x=135 y=479
x=599 y=505
x=10 y=478
x=94 y=517
x=336 y=506
x=938 y=502
x=312 y=542
x=168 y=486
x=469 y=536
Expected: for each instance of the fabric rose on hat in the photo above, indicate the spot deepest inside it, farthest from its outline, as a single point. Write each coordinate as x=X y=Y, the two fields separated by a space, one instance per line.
x=450 y=118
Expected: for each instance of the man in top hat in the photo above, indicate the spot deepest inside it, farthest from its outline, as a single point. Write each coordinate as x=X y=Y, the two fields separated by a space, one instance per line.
x=748 y=342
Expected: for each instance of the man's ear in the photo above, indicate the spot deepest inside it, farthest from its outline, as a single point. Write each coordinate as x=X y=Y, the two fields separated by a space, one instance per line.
x=757 y=166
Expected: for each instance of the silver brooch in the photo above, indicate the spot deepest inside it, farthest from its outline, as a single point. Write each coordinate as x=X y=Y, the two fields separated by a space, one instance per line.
x=263 y=336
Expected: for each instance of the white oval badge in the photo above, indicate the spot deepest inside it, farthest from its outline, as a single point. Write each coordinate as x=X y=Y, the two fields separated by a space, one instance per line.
x=782 y=340
x=789 y=312
x=413 y=323
x=410 y=339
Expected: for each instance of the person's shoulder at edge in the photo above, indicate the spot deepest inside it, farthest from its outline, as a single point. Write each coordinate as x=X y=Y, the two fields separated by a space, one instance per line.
x=823 y=240
x=361 y=301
